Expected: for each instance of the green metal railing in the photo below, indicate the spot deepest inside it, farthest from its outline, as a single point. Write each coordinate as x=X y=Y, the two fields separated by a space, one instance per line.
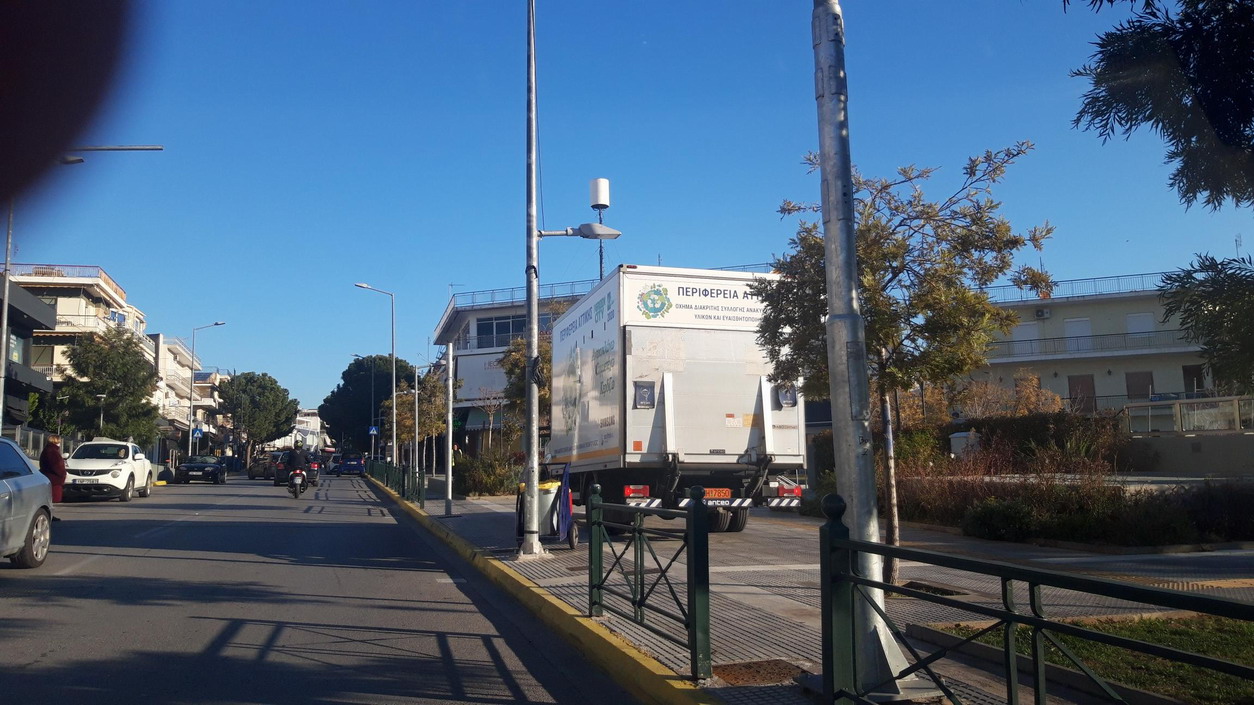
x=693 y=613
x=400 y=480
x=842 y=587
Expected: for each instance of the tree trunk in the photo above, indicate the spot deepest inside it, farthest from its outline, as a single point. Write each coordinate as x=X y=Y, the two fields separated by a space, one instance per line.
x=892 y=532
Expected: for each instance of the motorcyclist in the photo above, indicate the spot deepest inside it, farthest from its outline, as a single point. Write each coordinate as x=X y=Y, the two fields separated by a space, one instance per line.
x=298 y=458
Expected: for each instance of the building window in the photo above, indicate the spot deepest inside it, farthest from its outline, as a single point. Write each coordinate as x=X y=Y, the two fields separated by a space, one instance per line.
x=1079 y=334
x=1082 y=391
x=498 y=331
x=1194 y=378
x=1140 y=385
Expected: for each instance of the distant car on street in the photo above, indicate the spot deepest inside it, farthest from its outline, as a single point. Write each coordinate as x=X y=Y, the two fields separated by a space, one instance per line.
x=201 y=468
x=25 y=508
x=263 y=466
x=280 y=469
x=110 y=469
x=350 y=464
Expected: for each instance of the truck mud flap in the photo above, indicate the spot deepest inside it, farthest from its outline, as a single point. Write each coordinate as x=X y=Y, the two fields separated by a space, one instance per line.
x=721 y=502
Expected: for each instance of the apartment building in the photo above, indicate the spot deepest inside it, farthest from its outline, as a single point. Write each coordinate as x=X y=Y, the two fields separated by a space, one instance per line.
x=477 y=326
x=1099 y=343
x=86 y=301
x=27 y=314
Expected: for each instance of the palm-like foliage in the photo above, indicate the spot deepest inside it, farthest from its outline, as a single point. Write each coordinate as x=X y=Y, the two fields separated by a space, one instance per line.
x=1212 y=299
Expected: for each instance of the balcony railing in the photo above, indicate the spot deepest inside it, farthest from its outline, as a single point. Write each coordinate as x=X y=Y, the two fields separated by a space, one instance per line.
x=518 y=294
x=1122 y=284
x=91 y=323
x=1088 y=344
x=69 y=271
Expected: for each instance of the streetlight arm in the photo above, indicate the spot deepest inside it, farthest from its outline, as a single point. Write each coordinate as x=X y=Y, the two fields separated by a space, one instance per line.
x=587 y=231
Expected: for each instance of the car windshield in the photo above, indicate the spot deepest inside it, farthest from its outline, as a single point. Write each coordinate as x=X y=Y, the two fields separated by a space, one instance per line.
x=352 y=457
x=202 y=459
x=101 y=451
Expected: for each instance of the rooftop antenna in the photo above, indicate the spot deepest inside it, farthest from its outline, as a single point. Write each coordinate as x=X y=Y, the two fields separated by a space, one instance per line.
x=599 y=195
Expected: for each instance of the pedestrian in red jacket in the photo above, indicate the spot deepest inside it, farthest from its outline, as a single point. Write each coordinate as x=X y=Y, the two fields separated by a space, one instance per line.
x=52 y=464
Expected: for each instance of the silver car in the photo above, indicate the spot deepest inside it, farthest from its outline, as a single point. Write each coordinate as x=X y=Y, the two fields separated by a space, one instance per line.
x=25 y=508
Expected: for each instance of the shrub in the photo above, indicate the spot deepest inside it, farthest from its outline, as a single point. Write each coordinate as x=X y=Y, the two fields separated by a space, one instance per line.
x=1000 y=520
x=486 y=475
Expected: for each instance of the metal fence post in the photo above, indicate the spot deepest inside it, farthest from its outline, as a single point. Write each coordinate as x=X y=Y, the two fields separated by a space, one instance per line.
x=637 y=567
x=595 y=547
x=837 y=594
x=699 y=585
x=422 y=487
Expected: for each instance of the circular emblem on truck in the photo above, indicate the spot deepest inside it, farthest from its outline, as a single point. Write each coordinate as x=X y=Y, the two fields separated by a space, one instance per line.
x=654 y=302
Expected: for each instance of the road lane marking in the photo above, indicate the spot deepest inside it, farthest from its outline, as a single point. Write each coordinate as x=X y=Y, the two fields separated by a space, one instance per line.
x=156 y=529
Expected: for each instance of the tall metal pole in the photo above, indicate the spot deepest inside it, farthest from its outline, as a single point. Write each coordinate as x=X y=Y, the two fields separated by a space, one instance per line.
x=878 y=657
x=191 y=394
x=448 y=429
x=4 y=315
x=531 y=499
x=395 y=450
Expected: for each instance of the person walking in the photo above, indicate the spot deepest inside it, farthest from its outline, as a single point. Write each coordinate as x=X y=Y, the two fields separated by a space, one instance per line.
x=52 y=464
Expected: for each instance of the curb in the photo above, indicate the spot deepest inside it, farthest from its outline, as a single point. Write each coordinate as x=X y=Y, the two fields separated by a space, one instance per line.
x=639 y=674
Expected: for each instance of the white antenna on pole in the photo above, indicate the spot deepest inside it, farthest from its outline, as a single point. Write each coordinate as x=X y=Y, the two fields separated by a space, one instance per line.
x=599 y=195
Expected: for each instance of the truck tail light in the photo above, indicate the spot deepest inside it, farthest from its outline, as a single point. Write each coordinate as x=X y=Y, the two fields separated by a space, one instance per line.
x=792 y=491
x=636 y=491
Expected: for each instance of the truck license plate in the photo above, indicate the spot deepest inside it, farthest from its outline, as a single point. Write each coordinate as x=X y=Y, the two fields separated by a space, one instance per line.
x=717 y=493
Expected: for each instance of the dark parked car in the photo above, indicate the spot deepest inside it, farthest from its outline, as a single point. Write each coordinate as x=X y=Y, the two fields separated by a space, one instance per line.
x=201 y=468
x=311 y=472
x=351 y=464
x=263 y=467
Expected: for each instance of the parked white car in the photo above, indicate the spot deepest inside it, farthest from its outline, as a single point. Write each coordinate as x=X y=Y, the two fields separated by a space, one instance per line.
x=107 y=468
x=25 y=508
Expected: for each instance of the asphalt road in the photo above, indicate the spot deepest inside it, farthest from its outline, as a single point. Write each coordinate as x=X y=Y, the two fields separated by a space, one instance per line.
x=238 y=593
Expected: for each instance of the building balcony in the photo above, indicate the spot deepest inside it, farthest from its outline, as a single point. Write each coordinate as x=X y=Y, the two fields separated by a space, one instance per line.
x=69 y=323
x=69 y=276
x=1124 y=284
x=1160 y=341
x=179 y=384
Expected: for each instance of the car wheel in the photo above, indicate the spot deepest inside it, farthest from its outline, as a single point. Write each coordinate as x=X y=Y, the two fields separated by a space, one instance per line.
x=38 y=539
x=128 y=492
x=146 y=490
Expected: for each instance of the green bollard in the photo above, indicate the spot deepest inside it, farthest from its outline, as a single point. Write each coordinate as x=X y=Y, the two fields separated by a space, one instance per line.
x=595 y=548
x=699 y=585
x=840 y=640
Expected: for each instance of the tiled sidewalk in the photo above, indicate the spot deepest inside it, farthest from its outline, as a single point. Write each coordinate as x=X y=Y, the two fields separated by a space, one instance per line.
x=765 y=589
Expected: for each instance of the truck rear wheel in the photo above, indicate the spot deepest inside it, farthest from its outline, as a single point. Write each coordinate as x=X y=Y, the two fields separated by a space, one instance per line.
x=739 y=517
x=720 y=519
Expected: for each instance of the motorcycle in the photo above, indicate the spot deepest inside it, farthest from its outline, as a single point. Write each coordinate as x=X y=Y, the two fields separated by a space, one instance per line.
x=296 y=482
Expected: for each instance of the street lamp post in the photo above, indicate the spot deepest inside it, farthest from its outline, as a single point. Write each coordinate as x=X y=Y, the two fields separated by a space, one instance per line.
x=8 y=259
x=391 y=296
x=191 y=409
x=101 y=397
x=448 y=426
x=530 y=545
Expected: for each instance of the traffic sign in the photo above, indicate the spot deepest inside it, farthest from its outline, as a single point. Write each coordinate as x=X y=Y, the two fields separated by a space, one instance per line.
x=197 y=433
x=374 y=430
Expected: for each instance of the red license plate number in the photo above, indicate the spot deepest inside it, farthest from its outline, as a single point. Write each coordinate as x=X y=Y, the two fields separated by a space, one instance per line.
x=717 y=493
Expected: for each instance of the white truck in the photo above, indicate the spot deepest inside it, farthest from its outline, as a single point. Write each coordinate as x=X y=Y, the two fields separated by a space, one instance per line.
x=659 y=385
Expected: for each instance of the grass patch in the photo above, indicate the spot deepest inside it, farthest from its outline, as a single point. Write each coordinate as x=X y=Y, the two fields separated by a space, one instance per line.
x=1227 y=639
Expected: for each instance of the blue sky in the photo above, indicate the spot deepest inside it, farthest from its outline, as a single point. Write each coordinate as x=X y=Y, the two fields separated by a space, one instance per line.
x=312 y=144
